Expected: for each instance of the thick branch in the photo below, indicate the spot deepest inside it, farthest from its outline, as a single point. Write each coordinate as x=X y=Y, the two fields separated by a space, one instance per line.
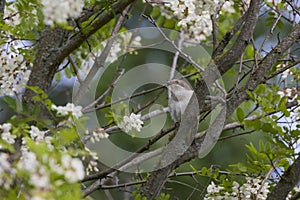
x=218 y=50
x=287 y=182
x=46 y=63
x=2 y=5
x=233 y=54
x=225 y=62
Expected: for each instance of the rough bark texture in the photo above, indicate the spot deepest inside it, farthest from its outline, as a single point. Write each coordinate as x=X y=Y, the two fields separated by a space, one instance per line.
x=287 y=182
x=2 y=5
x=46 y=63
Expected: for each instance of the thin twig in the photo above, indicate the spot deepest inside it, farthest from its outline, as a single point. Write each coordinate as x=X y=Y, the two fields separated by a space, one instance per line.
x=152 y=21
x=98 y=107
x=145 y=147
x=175 y=58
x=284 y=69
x=119 y=74
x=100 y=61
x=75 y=68
x=235 y=135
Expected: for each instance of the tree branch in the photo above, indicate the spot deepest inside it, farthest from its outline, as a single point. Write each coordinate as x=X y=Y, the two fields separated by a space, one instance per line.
x=234 y=53
x=287 y=182
x=2 y=6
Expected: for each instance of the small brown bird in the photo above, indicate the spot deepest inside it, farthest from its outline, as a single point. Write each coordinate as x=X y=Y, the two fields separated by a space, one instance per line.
x=179 y=94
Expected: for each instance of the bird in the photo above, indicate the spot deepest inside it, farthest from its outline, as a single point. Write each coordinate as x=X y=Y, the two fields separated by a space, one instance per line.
x=179 y=95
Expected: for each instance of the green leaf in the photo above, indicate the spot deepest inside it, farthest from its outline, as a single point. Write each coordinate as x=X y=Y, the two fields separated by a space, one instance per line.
x=242 y=167
x=223 y=177
x=256 y=124
x=204 y=170
x=67 y=136
x=282 y=107
x=266 y=127
x=36 y=110
x=240 y=114
x=169 y=23
x=251 y=95
x=57 y=76
x=68 y=72
x=155 y=12
x=276 y=98
x=11 y=102
x=260 y=89
x=280 y=24
x=282 y=102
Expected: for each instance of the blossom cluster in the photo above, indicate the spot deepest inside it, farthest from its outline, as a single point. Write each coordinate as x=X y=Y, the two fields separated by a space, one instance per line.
x=6 y=134
x=195 y=16
x=72 y=168
x=96 y=135
x=39 y=175
x=14 y=74
x=6 y=171
x=132 y=122
x=92 y=161
x=40 y=136
x=41 y=172
x=253 y=188
x=70 y=108
x=37 y=169
x=59 y=11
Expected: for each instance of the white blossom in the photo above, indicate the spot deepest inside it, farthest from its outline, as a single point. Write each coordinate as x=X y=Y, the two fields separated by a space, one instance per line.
x=55 y=166
x=228 y=6
x=11 y=15
x=14 y=74
x=70 y=108
x=37 y=198
x=132 y=122
x=93 y=165
x=97 y=135
x=40 y=136
x=29 y=162
x=6 y=135
x=40 y=179
x=74 y=170
x=253 y=188
x=5 y=127
x=5 y=167
x=194 y=16
x=59 y=11
x=212 y=188
x=36 y=134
